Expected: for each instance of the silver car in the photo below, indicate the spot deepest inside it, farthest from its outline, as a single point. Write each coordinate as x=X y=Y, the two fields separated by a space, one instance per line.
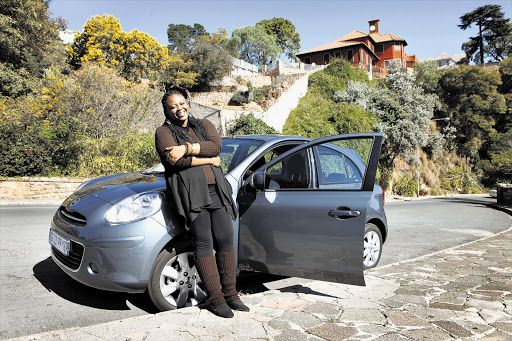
x=307 y=208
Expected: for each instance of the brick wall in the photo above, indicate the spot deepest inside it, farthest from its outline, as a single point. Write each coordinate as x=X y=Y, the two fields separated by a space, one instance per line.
x=38 y=187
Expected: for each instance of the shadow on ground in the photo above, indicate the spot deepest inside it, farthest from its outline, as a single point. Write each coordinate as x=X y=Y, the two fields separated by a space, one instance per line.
x=55 y=280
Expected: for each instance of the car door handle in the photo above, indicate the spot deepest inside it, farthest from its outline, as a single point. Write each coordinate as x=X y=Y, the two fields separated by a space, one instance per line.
x=344 y=213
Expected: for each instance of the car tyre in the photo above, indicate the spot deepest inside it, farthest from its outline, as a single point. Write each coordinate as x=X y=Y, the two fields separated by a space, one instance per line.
x=174 y=282
x=372 y=246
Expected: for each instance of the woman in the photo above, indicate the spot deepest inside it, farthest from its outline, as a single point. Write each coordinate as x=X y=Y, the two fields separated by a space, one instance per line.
x=202 y=197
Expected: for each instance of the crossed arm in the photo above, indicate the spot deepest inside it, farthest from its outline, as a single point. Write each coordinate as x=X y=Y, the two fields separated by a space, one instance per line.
x=197 y=154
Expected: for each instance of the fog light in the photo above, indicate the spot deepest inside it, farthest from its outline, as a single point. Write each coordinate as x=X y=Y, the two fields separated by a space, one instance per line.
x=93 y=268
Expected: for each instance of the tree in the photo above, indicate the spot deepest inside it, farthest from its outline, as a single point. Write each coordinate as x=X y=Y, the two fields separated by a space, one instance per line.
x=135 y=54
x=254 y=45
x=143 y=56
x=470 y=97
x=284 y=32
x=29 y=44
x=179 y=71
x=506 y=76
x=404 y=113
x=182 y=37
x=494 y=31
x=427 y=76
x=210 y=62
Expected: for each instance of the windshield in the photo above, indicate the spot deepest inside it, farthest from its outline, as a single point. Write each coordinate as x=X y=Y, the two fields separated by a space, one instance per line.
x=233 y=152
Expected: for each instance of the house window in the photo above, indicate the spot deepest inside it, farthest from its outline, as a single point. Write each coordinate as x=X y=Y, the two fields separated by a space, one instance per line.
x=363 y=56
x=397 y=46
x=326 y=58
x=307 y=60
x=350 y=55
x=337 y=54
x=379 y=48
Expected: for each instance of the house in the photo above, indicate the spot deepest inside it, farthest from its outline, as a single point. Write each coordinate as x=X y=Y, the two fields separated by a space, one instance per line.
x=370 y=51
x=445 y=61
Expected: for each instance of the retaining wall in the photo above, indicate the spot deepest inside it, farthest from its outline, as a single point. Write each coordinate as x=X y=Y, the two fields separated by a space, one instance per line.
x=38 y=187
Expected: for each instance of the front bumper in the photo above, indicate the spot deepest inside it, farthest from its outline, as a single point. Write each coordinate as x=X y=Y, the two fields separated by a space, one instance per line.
x=114 y=258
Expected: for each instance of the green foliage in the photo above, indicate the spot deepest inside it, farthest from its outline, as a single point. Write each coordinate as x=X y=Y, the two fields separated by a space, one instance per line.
x=182 y=37
x=262 y=93
x=36 y=137
x=334 y=77
x=497 y=166
x=470 y=97
x=460 y=179
x=254 y=45
x=43 y=133
x=284 y=32
x=29 y=44
x=179 y=72
x=404 y=113
x=427 y=76
x=318 y=115
x=494 y=34
x=405 y=187
x=210 y=63
x=135 y=55
x=241 y=97
x=506 y=76
x=118 y=154
x=248 y=124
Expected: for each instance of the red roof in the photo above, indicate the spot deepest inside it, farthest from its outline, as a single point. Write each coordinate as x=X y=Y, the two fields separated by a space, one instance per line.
x=348 y=40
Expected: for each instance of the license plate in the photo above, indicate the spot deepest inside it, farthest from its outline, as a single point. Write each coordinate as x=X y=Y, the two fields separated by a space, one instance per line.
x=60 y=243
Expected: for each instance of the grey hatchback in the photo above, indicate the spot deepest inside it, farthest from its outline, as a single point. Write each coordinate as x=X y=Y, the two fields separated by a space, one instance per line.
x=308 y=208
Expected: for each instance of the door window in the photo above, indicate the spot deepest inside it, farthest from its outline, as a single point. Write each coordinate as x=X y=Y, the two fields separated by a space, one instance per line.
x=290 y=173
x=336 y=170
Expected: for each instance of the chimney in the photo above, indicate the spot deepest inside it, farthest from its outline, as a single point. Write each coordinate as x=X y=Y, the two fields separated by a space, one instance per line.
x=374 y=25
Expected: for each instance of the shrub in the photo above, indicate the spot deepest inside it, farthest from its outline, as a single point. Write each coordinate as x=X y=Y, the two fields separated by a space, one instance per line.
x=241 y=97
x=248 y=124
x=119 y=154
x=262 y=93
x=405 y=187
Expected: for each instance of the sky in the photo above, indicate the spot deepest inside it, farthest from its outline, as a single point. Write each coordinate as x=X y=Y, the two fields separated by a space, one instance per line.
x=428 y=26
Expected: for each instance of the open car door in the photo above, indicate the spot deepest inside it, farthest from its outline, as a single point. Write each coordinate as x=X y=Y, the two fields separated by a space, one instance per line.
x=303 y=214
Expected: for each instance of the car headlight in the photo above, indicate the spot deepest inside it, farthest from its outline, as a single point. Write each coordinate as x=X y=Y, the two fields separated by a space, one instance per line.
x=134 y=208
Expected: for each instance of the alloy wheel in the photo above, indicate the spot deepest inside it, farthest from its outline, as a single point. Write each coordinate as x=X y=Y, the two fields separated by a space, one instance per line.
x=179 y=281
x=372 y=249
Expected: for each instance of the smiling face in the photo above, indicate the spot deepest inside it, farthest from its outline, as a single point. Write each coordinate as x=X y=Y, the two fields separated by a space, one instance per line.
x=177 y=109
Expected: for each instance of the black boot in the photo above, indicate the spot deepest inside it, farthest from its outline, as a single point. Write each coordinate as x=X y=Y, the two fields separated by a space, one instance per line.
x=207 y=270
x=227 y=272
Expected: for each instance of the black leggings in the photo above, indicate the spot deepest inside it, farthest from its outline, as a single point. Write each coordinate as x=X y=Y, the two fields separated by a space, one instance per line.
x=212 y=225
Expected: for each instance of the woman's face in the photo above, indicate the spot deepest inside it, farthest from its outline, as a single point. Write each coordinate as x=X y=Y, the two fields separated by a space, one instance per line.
x=178 y=108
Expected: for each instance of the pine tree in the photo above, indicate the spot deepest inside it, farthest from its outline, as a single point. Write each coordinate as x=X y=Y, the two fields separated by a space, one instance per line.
x=494 y=31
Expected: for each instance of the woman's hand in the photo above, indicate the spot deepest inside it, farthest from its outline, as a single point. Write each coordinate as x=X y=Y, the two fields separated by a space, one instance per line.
x=216 y=161
x=175 y=153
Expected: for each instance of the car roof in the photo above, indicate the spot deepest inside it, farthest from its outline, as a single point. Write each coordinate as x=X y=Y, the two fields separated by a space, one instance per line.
x=267 y=137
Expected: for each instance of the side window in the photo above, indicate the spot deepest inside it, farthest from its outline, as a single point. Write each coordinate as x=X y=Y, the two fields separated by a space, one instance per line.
x=291 y=172
x=336 y=171
x=267 y=157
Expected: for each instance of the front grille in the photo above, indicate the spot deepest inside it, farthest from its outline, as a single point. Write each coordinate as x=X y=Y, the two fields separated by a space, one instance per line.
x=72 y=217
x=74 y=259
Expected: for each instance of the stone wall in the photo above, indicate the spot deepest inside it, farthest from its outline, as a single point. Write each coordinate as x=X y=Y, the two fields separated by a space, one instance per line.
x=26 y=188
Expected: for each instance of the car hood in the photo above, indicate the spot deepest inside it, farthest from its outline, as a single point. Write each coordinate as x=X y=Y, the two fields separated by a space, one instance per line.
x=117 y=187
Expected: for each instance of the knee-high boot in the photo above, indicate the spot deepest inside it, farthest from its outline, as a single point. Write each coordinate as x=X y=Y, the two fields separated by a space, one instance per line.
x=227 y=271
x=207 y=270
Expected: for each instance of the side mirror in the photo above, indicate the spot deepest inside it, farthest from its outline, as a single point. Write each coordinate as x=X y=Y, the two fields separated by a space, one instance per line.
x=257 y=181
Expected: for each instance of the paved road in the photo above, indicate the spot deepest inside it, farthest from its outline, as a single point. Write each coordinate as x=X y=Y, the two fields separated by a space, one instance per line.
x=35 y=296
